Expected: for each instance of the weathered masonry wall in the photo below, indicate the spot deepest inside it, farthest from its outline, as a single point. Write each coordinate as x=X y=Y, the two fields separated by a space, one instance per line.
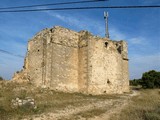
x=64 y=68
x=107 y=72
x=83 y=61
x=53 y=60
x=68 y=61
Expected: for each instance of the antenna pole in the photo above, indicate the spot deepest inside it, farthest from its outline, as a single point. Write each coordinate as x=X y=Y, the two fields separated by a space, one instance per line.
x=106 y=24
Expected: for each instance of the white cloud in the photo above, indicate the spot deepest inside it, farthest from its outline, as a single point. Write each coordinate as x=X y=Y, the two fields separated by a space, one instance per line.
x=9 y=65
x=11 y=32
x=80 y=22
x=116 y=34
x=136 y=40
x=142 y=63
x=15 y=47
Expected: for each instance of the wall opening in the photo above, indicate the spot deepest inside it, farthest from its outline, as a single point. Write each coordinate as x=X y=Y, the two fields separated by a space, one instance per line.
x=119 y=49
x=106 y=44
x=108 y=81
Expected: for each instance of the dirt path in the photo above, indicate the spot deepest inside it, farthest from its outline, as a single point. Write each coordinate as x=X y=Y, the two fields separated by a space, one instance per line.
x=96 y=110
x=116 y=109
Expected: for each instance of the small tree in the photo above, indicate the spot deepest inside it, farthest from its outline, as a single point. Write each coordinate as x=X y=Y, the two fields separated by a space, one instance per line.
x=151 y=79
x=135 y=82
x=1 y=78
x=157 y=81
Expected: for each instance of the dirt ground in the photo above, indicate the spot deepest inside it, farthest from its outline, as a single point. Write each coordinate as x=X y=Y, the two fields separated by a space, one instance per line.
x=95 y=110
x=54 y=105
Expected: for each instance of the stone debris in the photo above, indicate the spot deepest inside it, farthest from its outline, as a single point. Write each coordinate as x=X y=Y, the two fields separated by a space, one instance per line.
x=28 y=102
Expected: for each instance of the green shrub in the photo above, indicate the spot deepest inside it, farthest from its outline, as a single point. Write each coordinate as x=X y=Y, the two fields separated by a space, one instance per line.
x=1 y=78
x=151 y=79
x=135 y=82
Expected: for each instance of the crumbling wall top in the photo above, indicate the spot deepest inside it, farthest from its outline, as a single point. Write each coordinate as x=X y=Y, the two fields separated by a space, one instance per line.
x=70 y=38
x=58 y=35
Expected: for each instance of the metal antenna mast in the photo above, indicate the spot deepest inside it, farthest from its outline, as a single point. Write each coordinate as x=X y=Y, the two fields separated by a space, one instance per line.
x=106 y=24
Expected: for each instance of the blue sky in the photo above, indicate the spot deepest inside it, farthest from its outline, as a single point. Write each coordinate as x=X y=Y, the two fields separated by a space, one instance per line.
x=139 y=27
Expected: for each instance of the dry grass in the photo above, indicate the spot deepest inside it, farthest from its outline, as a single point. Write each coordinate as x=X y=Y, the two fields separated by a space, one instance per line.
x=91 y=113
x=145 y=106
x=86 y=114
x=46 y=100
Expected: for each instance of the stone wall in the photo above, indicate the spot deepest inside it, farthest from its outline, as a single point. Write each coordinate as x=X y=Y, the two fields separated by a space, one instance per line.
x=107 y=69
x=53 y=59
x=64 y=60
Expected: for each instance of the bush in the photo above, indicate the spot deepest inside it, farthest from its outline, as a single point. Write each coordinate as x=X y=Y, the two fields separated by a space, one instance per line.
x=135 y=82
x=1 y=78
x=151 y=79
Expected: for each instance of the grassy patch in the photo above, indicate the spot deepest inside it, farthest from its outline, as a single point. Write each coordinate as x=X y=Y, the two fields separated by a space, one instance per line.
x=91 y=113
x=46 y=100
x=86 y=114
x=146 y=106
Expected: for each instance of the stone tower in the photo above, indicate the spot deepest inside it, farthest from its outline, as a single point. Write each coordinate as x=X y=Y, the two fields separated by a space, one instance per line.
x=70 y=61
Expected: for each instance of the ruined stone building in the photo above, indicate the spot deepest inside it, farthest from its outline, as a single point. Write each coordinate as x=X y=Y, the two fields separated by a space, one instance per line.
x=70 y=61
